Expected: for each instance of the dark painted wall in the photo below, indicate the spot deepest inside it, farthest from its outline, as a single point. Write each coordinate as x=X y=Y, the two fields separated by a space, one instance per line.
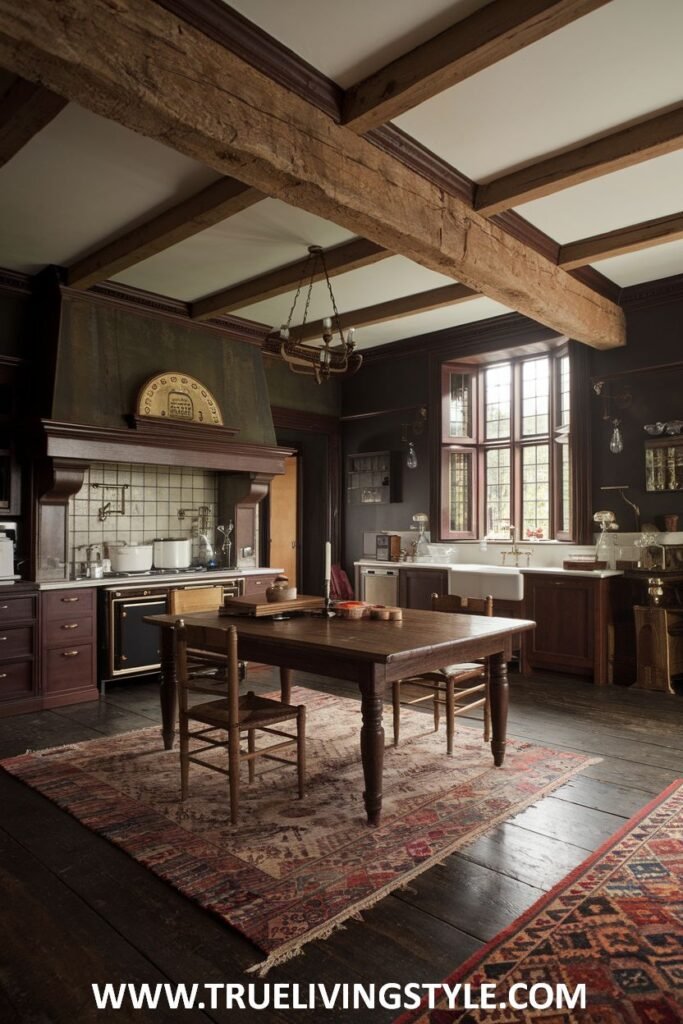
x=106 y=353
x=390 y=384
x=294 y=391
x=655 y=337
x=14 y=312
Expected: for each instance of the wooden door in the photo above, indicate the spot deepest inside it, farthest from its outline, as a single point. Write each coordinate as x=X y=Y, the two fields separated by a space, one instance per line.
x=283 y=532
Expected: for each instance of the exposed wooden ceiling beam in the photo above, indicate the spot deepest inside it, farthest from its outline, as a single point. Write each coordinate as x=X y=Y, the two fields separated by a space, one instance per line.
x=656 y=136
x=393 y=309
x=485 y=37
x=615 y=243
x=340 y=259
x=25 y=108
x=142 y=67
x=217 y=202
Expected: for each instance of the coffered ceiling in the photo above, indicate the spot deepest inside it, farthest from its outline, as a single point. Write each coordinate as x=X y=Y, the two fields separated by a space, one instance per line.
x=79 y=190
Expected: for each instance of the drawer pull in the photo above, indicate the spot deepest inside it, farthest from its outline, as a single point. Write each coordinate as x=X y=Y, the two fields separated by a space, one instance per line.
x=70 y=625
x=70 y=600
x=3 y=637
x=4 y=607
x=70 y=654
x=3 y=675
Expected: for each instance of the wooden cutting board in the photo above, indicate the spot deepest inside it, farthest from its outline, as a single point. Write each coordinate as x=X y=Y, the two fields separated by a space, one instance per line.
x=259 y=608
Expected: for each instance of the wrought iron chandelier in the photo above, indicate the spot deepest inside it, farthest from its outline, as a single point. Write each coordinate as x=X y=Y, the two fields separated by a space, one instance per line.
x=315 y=359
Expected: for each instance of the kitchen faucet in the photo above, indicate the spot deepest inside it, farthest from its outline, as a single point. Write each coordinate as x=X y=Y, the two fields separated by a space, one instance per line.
x=515 y=550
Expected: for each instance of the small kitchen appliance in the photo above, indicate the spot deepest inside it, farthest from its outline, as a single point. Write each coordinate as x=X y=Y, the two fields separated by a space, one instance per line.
x=388 y=547
x=6 y=557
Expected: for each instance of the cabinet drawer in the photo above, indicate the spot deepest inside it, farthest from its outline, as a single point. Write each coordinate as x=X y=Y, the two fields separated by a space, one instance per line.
x=257 y=584
x=16 y=642
x=14 y=609
x=69 y=631
x=69 y=668
x=69 y=604
x=16 y=680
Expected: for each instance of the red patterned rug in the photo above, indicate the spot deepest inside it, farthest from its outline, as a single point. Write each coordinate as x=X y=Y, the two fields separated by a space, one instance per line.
x=292 y=870
x=615 y=925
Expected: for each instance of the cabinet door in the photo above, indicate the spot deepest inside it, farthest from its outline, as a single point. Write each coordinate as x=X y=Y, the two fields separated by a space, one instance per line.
x=564 y=611
x=416 y=587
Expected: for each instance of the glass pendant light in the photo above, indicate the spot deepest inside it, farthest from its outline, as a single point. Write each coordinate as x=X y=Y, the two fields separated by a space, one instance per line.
x=411 y=457
x=616 y=441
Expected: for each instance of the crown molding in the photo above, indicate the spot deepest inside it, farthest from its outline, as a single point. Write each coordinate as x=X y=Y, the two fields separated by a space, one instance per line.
x=652 y=293
x=12 y=281
x=498 y=332
x=151 y=304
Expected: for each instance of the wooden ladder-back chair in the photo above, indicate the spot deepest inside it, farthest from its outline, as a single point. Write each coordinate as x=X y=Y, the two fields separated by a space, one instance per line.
x=185 y=601
x=461 y=688
x=223 y=721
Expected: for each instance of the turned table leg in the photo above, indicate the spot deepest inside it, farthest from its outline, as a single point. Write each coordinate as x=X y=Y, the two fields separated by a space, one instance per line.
x=168 y=695
x=372 y=750
x=499 y=687
x=286 y=685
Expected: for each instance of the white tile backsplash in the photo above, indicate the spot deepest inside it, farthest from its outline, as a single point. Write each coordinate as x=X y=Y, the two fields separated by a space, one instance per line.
x=152 y=499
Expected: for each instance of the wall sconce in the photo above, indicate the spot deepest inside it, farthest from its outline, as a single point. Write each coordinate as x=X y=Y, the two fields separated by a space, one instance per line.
x=408 y=432
x=613 y=398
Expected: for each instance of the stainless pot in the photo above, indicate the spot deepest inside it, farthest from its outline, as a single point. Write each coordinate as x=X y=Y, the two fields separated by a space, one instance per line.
x=130 y=557
x=173 y=553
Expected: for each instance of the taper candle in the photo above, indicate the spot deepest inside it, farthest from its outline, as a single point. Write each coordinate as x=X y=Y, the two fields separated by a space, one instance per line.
x=328 y=560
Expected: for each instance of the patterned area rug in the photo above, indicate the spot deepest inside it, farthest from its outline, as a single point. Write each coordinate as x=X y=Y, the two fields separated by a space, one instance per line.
x=292 y=870
x=615 y=925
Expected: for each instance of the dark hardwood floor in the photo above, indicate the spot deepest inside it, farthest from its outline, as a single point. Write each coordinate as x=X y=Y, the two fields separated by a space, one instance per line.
x=74 y=909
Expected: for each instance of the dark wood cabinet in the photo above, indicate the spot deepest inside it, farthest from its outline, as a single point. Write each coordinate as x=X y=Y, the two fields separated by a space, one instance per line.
x=19 y=689
x=10 y=482
x=416 y=586
x=573 y=624
x=68 y=642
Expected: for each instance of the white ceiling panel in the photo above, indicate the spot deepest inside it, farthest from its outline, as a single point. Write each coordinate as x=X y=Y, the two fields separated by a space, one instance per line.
x=424 y=323
x=614 y=65
x=391 y=278
x=348 y=41
x=267 y=235
x=648 y=190
x=81 y=181
x=646 y=265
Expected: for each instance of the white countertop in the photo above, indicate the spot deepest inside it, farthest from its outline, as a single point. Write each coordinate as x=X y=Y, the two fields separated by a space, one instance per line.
x=141 y=579
x=485 y=566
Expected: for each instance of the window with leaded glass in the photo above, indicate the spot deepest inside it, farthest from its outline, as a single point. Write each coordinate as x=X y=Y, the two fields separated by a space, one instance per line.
x=512 y=466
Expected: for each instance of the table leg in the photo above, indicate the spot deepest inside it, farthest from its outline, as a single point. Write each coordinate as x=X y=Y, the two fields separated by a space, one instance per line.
x=168 y=695
x=286 y=685
x=499 y=687
x=372 y=750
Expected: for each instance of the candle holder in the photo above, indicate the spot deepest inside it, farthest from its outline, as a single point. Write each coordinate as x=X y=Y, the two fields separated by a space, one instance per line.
x=327 y=611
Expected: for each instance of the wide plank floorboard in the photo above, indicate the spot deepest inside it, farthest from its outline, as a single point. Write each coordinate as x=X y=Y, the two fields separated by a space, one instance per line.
x=78 y=904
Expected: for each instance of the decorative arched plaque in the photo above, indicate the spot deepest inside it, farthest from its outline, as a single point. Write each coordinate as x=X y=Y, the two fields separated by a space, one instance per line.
x=177 y=396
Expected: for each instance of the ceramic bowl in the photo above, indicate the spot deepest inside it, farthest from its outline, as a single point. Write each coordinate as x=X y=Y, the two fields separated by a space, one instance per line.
x=654 y=429
x=274 y=594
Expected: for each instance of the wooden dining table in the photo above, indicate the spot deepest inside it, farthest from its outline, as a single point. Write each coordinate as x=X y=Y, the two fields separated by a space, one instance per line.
x=371 y=653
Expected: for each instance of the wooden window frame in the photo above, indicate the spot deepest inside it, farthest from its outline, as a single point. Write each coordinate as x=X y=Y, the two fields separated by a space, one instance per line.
x=479 y=446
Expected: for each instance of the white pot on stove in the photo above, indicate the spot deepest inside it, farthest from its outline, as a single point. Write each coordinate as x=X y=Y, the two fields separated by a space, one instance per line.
x=173 y=553
x=130 y=557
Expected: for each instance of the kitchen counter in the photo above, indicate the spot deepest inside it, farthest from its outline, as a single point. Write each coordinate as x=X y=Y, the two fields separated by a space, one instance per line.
x=488 y=566
x=170 y=579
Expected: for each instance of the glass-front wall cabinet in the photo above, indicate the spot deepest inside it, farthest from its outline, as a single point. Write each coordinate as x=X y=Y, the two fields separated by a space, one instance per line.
x=664 y=464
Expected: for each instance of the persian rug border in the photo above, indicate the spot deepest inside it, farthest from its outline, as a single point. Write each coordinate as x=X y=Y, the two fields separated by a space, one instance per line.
x=521 y=922
x=292 y=947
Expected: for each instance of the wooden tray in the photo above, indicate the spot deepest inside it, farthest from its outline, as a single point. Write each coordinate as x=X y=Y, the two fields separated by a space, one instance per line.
x=258 y=607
